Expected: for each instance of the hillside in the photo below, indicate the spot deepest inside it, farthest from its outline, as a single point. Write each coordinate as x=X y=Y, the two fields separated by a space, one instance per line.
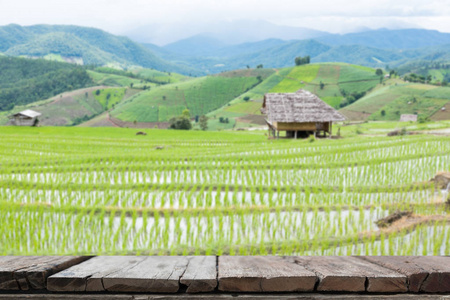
x=148 y=98
x=397 y=97
x=24 y=81
x=81 y=44
x=341 y=82
x=62 y=92
x=200 y=96
x=74 y=107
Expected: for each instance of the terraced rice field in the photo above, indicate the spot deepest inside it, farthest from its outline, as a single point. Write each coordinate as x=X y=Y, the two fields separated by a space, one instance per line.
x=107 y=191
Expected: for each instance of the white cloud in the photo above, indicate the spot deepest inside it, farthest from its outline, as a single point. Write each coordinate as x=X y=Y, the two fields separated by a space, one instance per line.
x=118 y=16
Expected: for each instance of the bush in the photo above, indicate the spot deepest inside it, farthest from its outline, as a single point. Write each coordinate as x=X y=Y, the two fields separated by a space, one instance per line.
x=181 y=122
x=423 y=119
x=246 y=98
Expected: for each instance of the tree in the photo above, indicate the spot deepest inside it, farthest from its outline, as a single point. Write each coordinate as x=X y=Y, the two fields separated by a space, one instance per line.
x=379 y=72
x=203 y=122
x=181 y=122
x=322 y=85
x=302 y=60
x=260 y=66
x=131 y=85
x=186 y=113
x=383 y=113
x=246 y=98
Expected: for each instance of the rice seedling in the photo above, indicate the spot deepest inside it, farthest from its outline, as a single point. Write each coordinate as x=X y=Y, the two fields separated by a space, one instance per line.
x=109 y=192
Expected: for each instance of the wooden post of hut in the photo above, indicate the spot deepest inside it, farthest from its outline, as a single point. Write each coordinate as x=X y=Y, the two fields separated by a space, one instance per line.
x=301 y=113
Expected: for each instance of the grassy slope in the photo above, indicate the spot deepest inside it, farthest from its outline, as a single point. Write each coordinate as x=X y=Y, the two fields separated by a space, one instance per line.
x=65 y=108
x=200 y=96
x=334 y=76
x=397 y=97
x=115 y=80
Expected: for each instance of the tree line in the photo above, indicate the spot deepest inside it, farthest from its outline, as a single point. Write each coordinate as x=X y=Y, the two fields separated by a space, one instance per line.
x=23 y=81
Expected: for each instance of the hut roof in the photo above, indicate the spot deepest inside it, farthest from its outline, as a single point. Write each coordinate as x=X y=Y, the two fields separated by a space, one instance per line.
x=28 y=113
x=299 y=107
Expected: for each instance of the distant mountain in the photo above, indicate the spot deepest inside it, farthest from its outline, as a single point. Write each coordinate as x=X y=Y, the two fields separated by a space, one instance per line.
x=212 y=48
x=278 y=56
x=89 y=45
x=389 y=39
x=375 y=48
x=227 y=32
x=196 y=46
x=361 y=55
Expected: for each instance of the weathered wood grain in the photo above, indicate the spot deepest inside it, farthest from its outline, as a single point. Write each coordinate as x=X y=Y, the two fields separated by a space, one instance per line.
x=214 y=296
x=415 y=274
x=154 y=274
x=31 y=272
x=350 y=274
x=88 y=275
x=263 y=274
x=201 y=274
x=430 y=274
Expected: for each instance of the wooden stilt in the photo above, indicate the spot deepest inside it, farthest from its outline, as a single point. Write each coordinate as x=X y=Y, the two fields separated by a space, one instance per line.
x=295 y=134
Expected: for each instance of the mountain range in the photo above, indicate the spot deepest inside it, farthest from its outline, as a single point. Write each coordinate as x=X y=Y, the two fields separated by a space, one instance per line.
x=211 y=53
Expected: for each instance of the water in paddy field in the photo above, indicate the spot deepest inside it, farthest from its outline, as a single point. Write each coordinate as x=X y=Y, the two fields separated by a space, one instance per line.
x=305 y=200
x=107 y=233
x=212 y=198
x=427 y=240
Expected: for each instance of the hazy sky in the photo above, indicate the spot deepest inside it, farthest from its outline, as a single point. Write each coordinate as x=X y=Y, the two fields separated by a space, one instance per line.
x=337 y=16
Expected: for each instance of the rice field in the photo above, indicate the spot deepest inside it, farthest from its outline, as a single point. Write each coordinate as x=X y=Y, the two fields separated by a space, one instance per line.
x=107 y=191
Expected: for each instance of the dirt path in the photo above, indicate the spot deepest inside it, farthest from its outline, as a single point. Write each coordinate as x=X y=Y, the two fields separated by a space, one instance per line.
x=111 y=121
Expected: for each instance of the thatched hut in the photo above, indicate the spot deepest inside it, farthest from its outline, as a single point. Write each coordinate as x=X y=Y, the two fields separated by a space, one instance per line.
x=300 y=114
x=25 y=118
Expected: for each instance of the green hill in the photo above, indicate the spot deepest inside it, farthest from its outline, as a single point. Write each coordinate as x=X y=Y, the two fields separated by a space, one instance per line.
x=339 y=82
x=397 y=97
x=200 y=96
x=233 y=99
x=74 y=107
x=24 y=81
x=57 y=90
x=87 y=45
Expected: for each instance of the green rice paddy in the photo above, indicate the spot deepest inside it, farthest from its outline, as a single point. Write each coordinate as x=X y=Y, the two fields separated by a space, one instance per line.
x=108 y=191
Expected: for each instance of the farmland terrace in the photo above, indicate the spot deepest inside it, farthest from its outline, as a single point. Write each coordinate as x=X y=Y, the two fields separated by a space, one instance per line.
x=106 y=191
x=224 y=277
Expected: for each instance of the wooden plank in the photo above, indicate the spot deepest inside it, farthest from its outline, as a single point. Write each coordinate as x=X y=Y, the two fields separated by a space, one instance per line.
x=201 y=274
x=88 y=275
x=430 y=274
x=31 y=272
x=35 y=277
x=154 y=274
x=263 y=274
x=350 y=274
x=214 y=296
